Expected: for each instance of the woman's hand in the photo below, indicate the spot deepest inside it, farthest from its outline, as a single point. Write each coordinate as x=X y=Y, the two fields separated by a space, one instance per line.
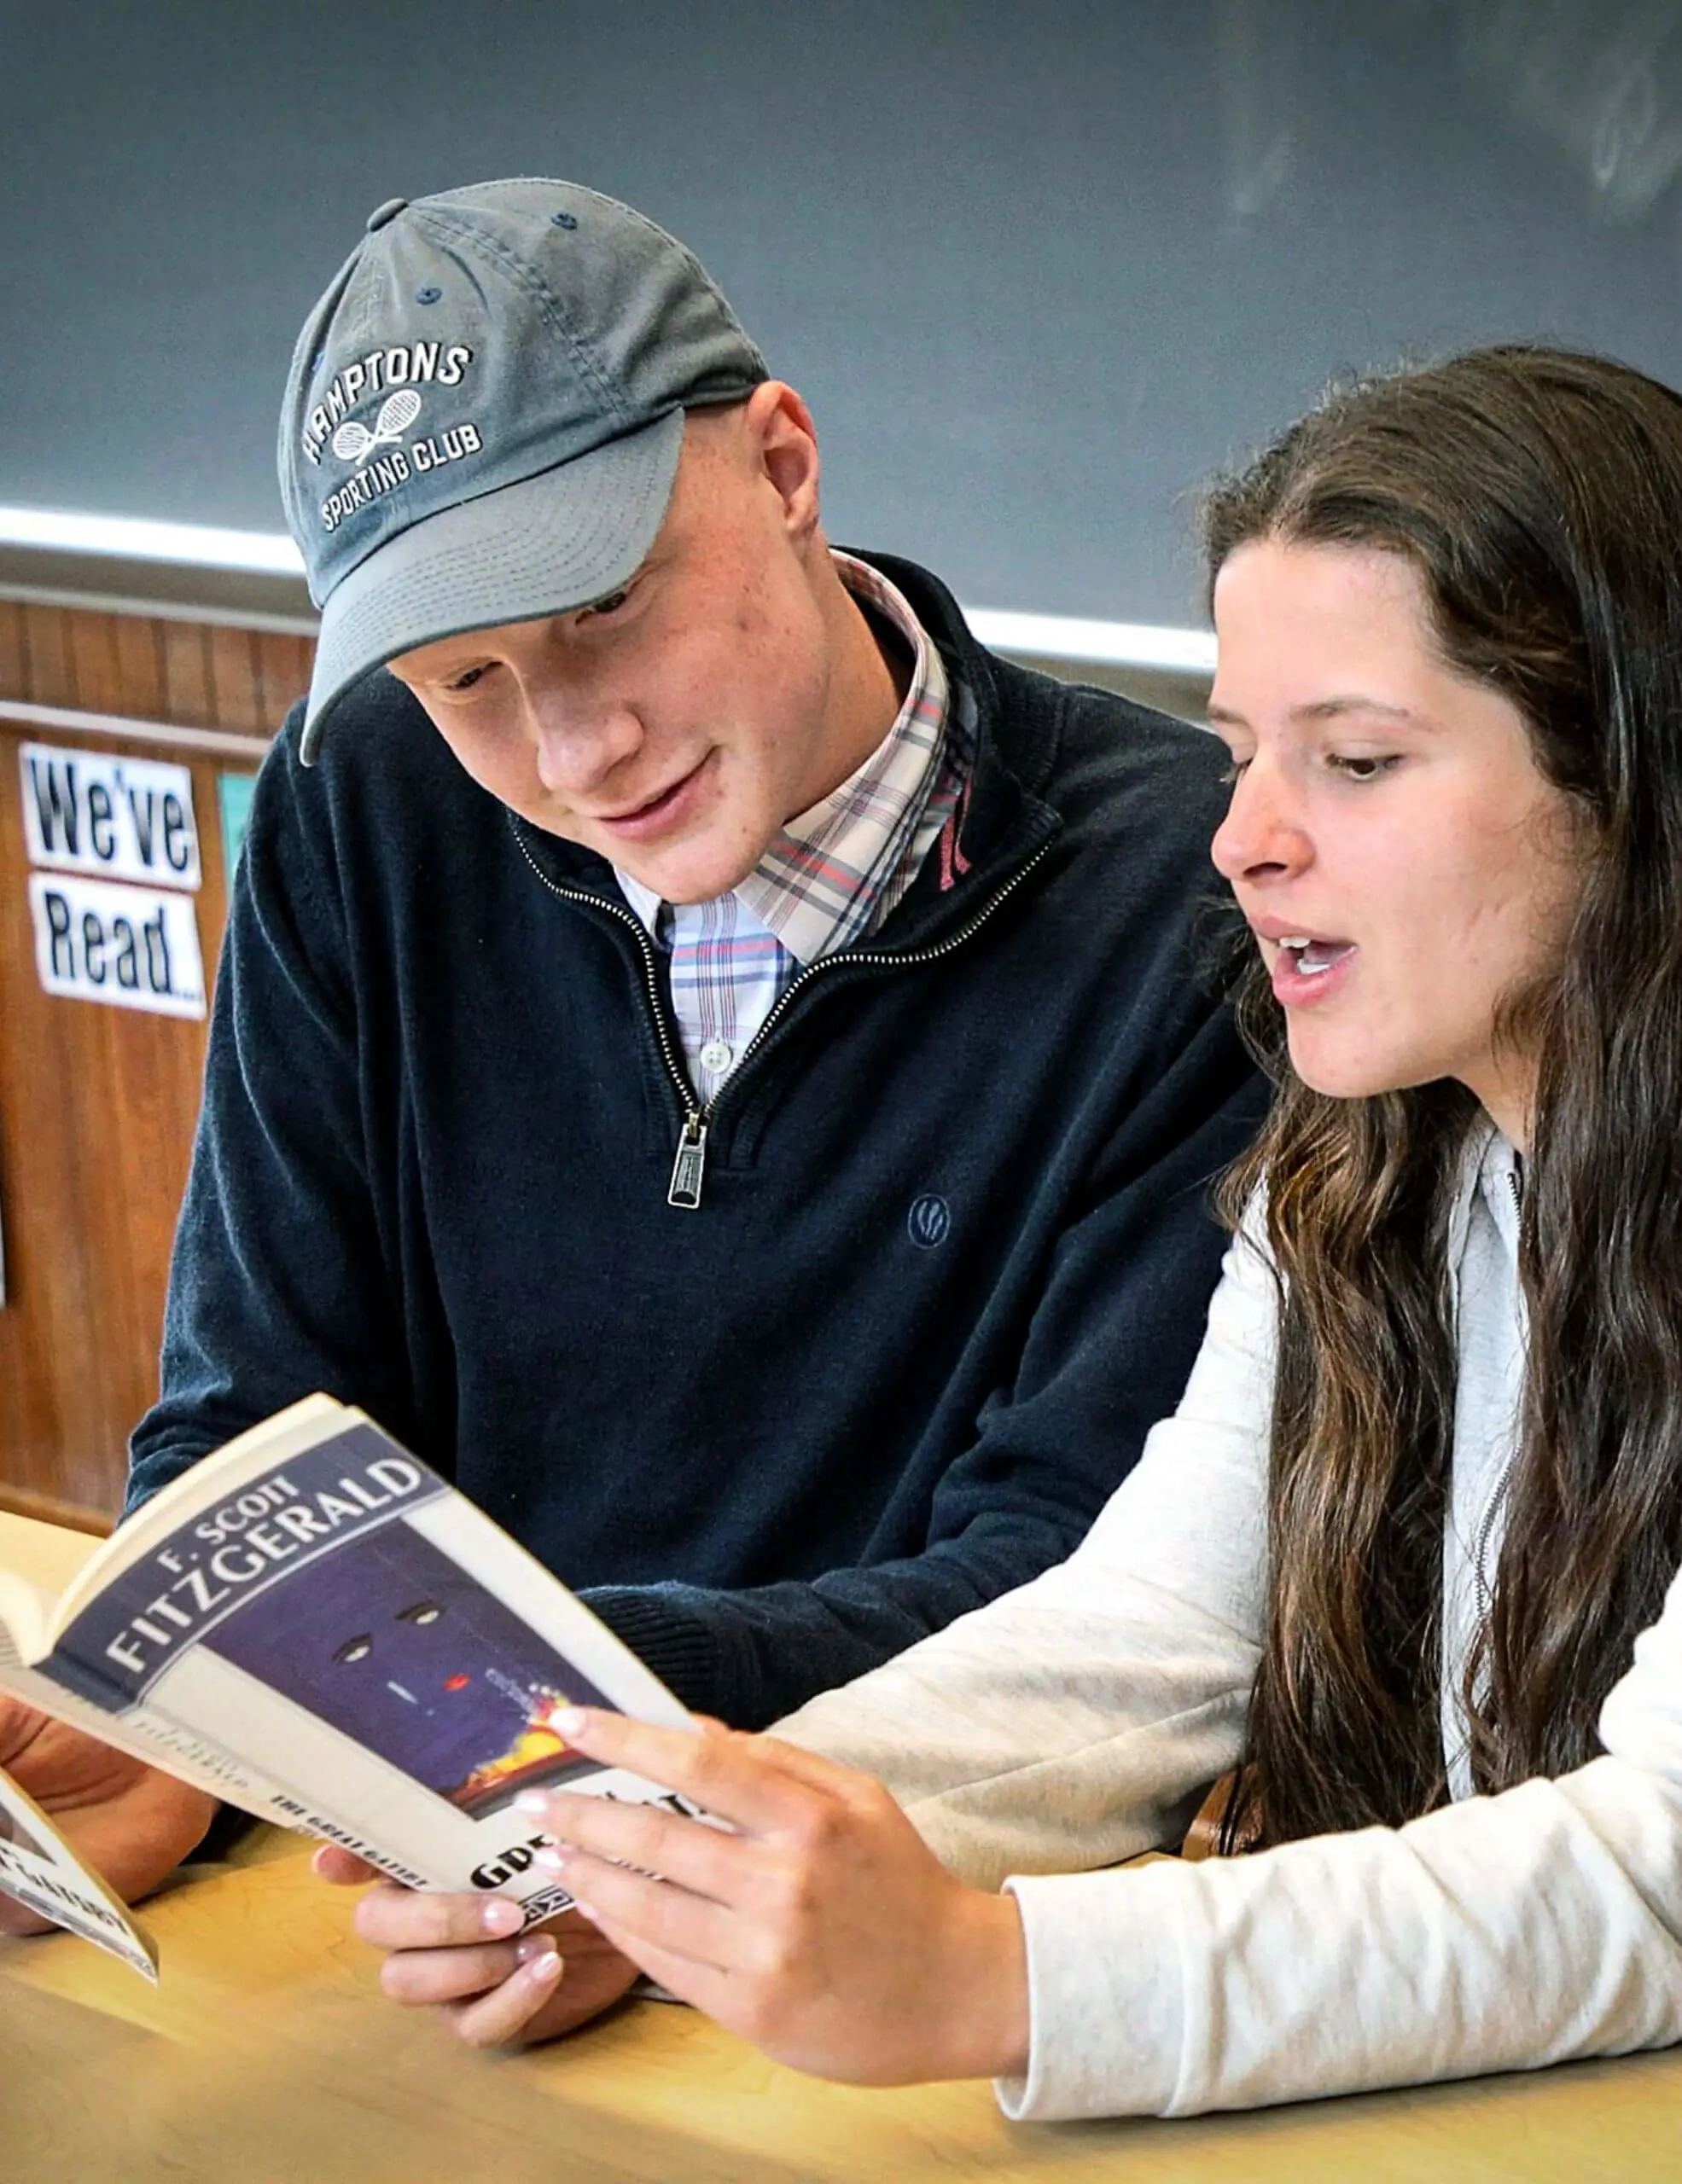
x=130 y=1823
x=820 y=1927
x=456 y=1953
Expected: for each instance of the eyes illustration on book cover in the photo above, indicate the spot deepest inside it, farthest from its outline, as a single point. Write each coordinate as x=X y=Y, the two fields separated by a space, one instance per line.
x=389 y=1640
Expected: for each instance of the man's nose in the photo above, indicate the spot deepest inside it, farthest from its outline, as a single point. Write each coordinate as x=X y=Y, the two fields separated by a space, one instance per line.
x=579 y=737
x=1262 y=836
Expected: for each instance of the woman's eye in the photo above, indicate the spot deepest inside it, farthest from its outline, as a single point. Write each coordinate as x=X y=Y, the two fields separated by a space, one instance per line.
x=1361 y=770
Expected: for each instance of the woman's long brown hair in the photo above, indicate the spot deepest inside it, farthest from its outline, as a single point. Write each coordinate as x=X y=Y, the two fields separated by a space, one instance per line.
x=1538 y=495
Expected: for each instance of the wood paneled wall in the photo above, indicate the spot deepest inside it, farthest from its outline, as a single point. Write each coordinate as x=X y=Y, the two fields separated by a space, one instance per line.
x=191 y=674
x=97 y=1104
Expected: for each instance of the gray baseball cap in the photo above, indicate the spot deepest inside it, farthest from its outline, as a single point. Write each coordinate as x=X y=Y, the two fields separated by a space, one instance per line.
x=484 y=412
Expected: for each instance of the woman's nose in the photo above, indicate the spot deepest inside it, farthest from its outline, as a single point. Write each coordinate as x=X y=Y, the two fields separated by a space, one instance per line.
x=1262 y=835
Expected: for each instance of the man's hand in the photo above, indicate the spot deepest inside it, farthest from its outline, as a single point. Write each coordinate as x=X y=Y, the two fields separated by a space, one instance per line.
x=130 y=1823
x=454 y=1952
x=816 y=1922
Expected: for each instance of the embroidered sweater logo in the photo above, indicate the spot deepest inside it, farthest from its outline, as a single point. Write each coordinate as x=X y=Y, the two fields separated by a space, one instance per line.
x=929 y=1221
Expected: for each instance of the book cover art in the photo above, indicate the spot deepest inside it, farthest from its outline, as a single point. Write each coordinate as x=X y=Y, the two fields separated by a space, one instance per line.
x=346 y=1624
x=389 y=1640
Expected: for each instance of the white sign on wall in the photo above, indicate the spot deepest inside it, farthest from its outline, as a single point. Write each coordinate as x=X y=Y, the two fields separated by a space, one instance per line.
x=97 y=940
x=121 y=818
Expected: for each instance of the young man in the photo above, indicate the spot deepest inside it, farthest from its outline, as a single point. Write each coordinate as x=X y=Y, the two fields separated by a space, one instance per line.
x=739 y=1097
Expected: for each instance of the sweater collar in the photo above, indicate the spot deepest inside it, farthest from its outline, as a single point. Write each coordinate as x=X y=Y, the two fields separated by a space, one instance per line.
x=1490 y=1168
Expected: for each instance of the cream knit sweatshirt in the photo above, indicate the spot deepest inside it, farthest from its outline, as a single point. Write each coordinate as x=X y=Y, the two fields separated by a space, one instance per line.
x=1074 y=1722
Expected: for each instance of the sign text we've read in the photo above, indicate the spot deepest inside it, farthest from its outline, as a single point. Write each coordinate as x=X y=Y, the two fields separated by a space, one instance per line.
x=120 y=818
x=100 y=940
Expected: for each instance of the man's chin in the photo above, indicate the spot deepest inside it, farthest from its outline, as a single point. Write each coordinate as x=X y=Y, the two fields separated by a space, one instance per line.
x=691 y=873
x=685 y=876
x=692 y=865
x=681 y=891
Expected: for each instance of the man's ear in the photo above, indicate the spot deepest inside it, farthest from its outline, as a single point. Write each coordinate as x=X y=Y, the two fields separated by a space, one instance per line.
x=783 y=441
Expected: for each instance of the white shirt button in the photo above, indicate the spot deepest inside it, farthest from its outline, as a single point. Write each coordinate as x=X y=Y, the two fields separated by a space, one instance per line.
x=716 y=1057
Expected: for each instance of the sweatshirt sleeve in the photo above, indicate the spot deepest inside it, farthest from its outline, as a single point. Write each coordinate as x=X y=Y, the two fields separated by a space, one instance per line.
x=1072 y=1725
x=1106 y=1349
x=280 y=1282
x=1501 y=1933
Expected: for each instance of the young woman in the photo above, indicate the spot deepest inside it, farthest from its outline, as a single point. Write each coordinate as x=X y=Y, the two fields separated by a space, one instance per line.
x=1406 y=1550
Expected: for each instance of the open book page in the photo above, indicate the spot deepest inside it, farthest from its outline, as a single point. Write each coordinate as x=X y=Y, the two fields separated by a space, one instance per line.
x=351 y=1629
x=40 y=1869
x=38 y=1563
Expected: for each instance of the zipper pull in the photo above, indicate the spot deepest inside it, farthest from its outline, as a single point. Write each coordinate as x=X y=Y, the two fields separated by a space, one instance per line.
x=688 y=1168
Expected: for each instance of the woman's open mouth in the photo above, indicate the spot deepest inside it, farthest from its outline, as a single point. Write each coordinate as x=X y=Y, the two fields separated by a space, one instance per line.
x=1307 y=967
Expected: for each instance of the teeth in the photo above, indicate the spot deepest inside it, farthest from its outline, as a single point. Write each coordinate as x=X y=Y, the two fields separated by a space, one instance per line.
x=1300 y=945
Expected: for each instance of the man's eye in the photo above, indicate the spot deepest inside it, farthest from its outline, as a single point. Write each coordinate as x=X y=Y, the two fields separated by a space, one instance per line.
x=610 y=602
x=467 y=679
x=1234 y=772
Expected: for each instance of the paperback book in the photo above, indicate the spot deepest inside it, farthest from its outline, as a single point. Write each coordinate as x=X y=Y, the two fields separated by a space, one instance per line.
x=314 y=1626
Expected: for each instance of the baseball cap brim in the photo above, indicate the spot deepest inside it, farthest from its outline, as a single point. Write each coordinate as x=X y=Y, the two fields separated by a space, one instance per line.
x=541 y=546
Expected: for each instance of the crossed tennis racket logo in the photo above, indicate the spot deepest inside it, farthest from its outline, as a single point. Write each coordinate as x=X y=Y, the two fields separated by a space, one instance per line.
x=354 y=443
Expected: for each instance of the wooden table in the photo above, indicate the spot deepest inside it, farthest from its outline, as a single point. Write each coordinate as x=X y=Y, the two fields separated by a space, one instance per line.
x=268 y=2055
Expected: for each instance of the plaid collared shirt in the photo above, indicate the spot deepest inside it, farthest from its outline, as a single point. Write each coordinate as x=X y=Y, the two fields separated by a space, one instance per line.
x=831 y=875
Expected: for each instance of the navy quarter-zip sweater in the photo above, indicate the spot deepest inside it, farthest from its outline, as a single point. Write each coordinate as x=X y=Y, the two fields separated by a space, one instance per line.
x=952 y=1251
